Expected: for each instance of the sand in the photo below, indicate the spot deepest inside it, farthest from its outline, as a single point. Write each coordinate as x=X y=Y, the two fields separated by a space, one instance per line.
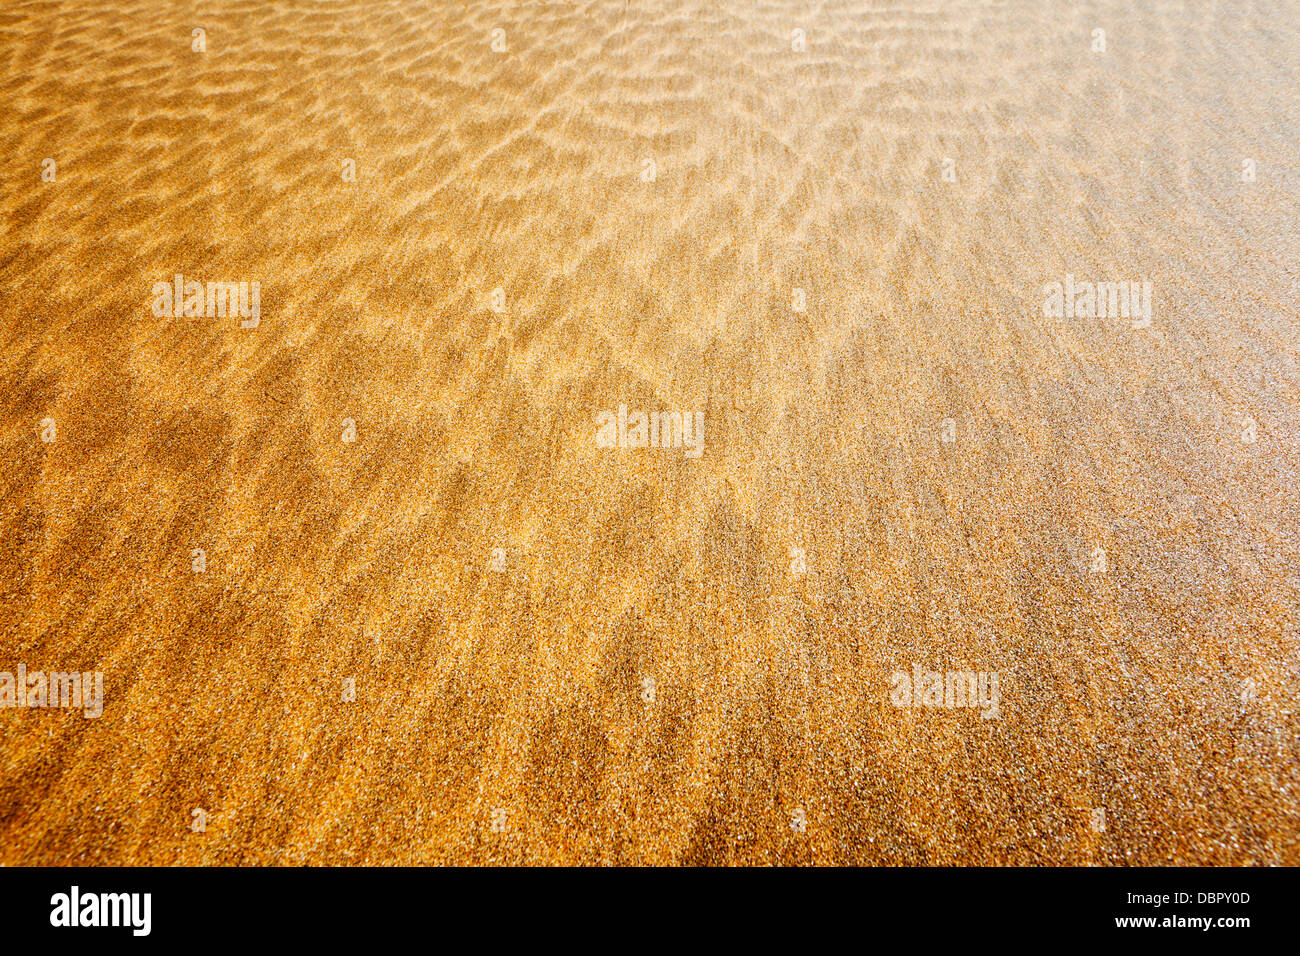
x=564 y=653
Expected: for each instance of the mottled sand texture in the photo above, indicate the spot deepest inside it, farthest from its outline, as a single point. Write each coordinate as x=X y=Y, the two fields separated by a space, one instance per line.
x=828 y=536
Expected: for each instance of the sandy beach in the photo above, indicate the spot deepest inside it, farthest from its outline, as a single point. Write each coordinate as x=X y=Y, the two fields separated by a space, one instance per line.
x=639 y=397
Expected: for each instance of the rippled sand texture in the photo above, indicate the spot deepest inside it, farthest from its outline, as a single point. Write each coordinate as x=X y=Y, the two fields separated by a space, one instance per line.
x=501 y=714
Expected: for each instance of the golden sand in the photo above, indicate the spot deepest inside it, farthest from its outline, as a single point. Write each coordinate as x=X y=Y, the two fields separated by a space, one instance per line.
x=1109 y=520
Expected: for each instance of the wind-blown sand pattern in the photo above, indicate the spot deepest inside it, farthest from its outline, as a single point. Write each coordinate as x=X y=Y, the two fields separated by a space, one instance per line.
x=501 y=711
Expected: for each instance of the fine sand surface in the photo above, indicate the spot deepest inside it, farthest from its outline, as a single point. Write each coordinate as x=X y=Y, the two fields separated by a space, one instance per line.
x=1100 y=531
